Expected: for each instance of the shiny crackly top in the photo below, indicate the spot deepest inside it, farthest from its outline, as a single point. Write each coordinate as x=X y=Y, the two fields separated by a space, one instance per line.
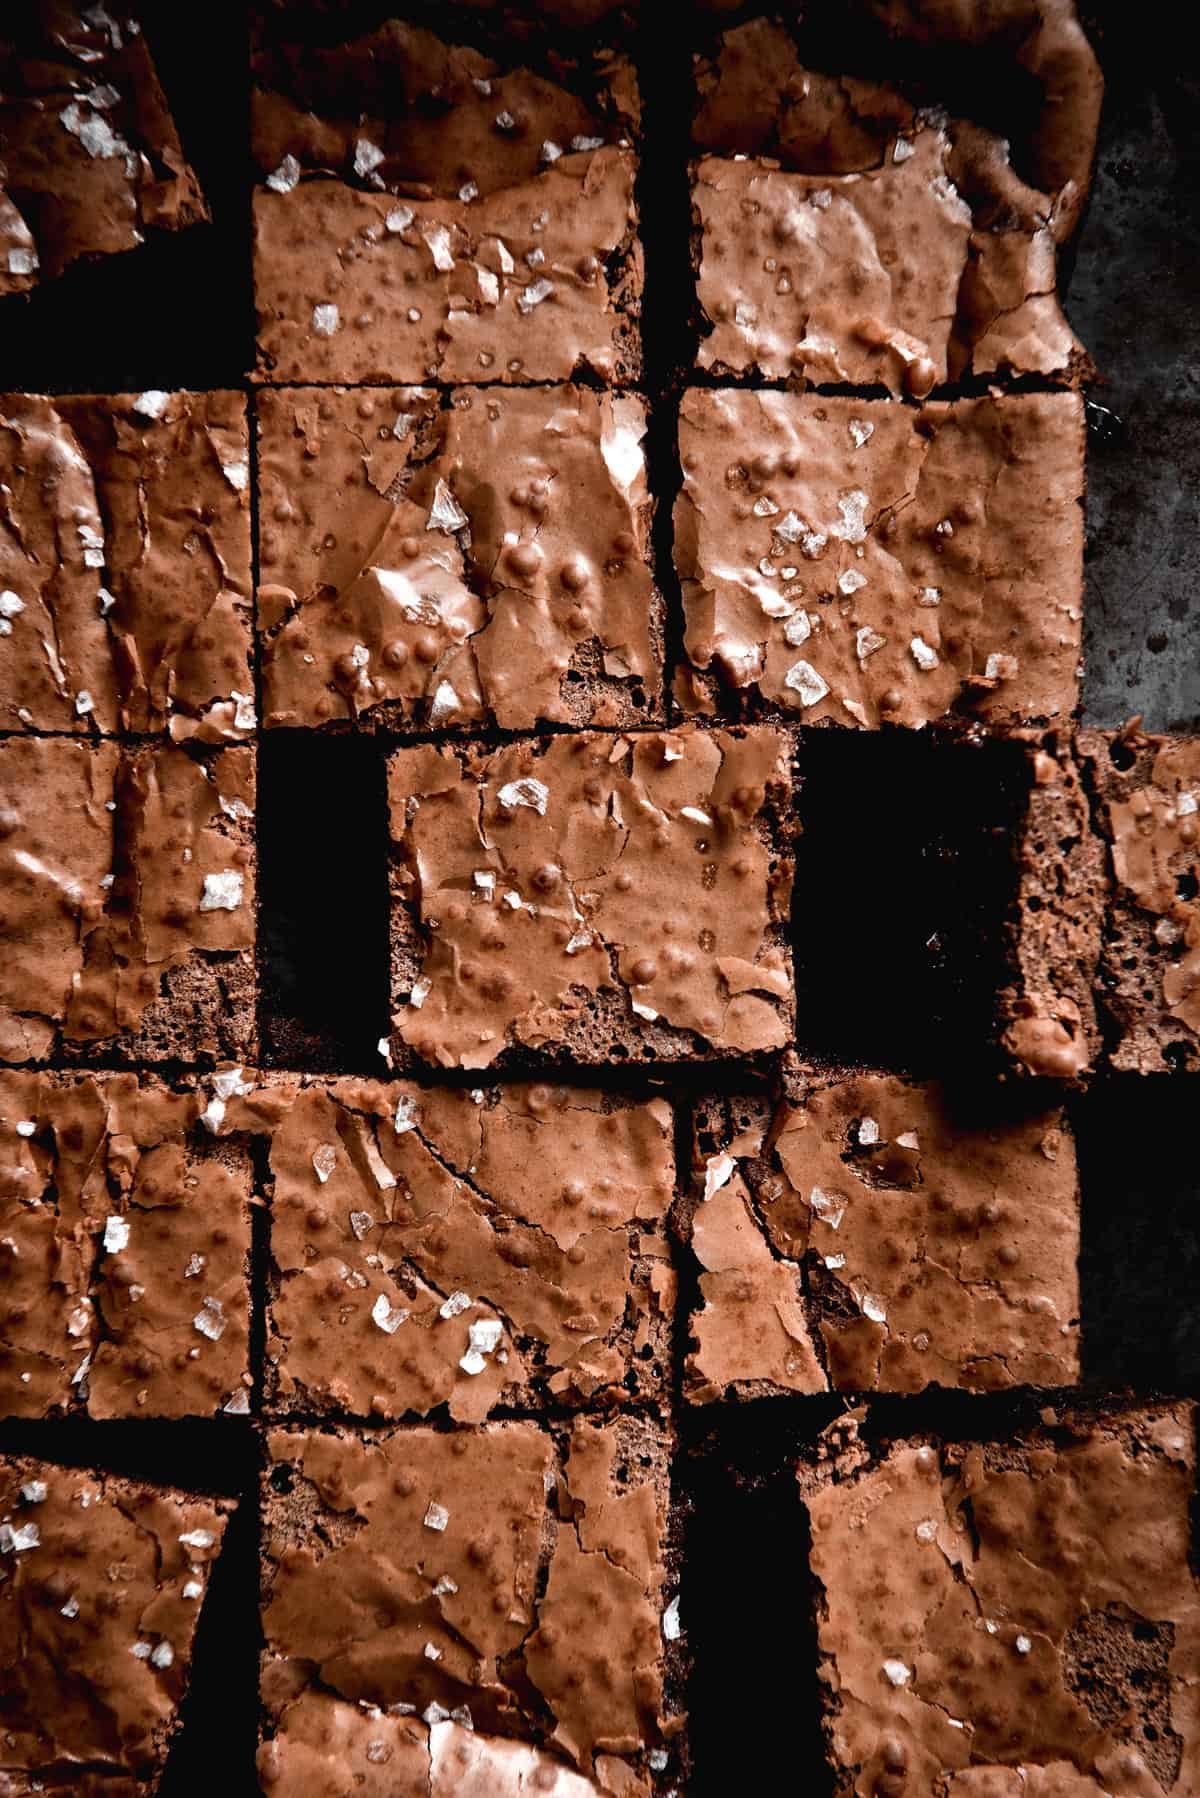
x=864 y=562
x=115 y=866
x=488 y=561
x=938 y=1246
x=477 y=242
x=123 y=1240
x=971 y=1595
x=1155 y=832
x=856 y=240
x=125 y=564
x=471 y=1577
x=544 y=874
x=89 y=155
x=327 y=1748
x=102 y=1588
x=449 y=1247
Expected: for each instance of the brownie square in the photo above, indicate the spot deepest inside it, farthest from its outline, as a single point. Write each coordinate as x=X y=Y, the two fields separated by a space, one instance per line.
x=504 y=1578
x=89 y=155
x=426 y=214
x=842 y=236
x=861 y=562
x=1047 y=1006
x=125 y=564
x=103 y=1583
x=1147 y=794
x=432 y=565
x=127 y=893
x=467 y=1249
x=594 y=898
x=126 y=1238
x=873 y=1234
x=999 y=1619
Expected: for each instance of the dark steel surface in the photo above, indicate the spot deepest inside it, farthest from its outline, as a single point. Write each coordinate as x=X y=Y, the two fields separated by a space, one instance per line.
x=179 y=313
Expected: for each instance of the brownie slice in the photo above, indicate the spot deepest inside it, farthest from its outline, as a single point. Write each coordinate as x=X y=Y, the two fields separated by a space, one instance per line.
x=1147 y=799
x=859 y=563
x=853 y=238
x=89 y=155
x=1047 y=1005
x=427 y=214
x=591 y=897
x=103 y=1580
x=508 y=1580
x=434 y=565
x=125 y=567
x=126 y=1238
x=467 y=1249
x=1004 y=1618
x=127 y=892
x=869 y=1233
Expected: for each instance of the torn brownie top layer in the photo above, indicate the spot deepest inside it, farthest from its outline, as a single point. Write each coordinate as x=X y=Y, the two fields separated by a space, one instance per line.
x=1026 y=1607
x=542 y=875
x=323 y=1744
x=477 y=223
x=89 y=155
x=1152 y=818
x=867 y=563
x=115 y=866
x=472 y=1577
x=937 y=1244
x=124 y=1240
x=447 y=1247
x=484 y=562
x=125 y=564
x=103 y=1585
x=847 y=237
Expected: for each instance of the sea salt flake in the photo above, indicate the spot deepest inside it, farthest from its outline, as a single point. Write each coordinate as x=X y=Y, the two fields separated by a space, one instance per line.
x=670 y=1622
x=455 y=1305
x=1001 y=667
x=551 y=151
x=399 y=218
x=867 y=1132
x=694 y=814
x=162 y=1655
x=237 y=1406
x=70 y=1609
x=1022 y=1644
x=325 y=320
x=926 y=1530
x=445 y=514
x=438 y=239
x=420 y=992
x=902 y=150
x=22 y=261
x=868 y=642
x=526 y=791
x=897 y=1673
x=116 y=1235
x=445 y=701
x=803 y=679
x=718 y=1170
x=798 y=630
x=152 y=404
x=285 y=177
x=362 y=1223
x=367 y=156
x=929 y=596
x=850 y=581
x=192 y=1589
x=26 y=1127
x=829 y=1207
x=222 y=891
x=860 y=432
x=873 y=1308
x=237 y=474
x=210 y=1320
x=534 y=294
x=198 y=1539
x=923 y=654
x=324 y=1161
x=387 y=1318
x=436 y=1517
x=84 y=703
x=643 y=1011
x=853 y=508
x=35 y=1492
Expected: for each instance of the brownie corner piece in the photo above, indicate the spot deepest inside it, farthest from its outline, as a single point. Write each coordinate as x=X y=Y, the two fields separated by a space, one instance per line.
x=1147 y=801
x=465 y=222
x=863 y=1235
x=861 y=563
x=592 y=897
x=128 y=876
x=104 y=1580
x=469 y=1570
x=125 y=571
x=467 y=1249
x=997 y=1617
x=482 y=559
x=842 y=236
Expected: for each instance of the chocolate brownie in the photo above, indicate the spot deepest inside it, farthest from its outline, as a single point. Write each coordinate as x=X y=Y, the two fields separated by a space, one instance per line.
x=869 y=1233
x=126 y=1237
x=125 y=564
x=999 y=1619
x=1147 y=796
x=844 y=236
x=101 y=1585
x=592 y=897
x=426 y=214
x=435 y=565
x=863 y=563
x=127 y=898
x=468 y=1249
x=1047 y=1008
x=502 y=1578
x=89 y=156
